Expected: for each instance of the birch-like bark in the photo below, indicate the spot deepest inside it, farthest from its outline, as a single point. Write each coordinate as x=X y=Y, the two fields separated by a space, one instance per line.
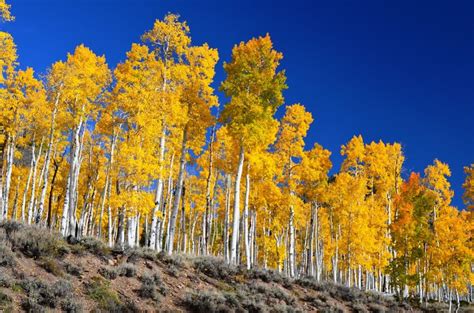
x=159 y=193
x=44 y=185
x=31 y=204
x=107 y=185
x=177 y=197
x=2 y=158
x=206 y=216
x=226 y=218
x=246 y=219
x=291 y=259
x=51 y=190
x=310 y=252
x=236 y=217
x=28 y=181
x=68 y=216
x=183 y=222
x=8 y=175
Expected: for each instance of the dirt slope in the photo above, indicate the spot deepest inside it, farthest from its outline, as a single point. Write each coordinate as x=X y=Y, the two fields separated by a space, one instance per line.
x=40 y=271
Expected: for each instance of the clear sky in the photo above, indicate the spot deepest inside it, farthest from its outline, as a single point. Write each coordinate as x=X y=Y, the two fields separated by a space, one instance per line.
x=392 y=70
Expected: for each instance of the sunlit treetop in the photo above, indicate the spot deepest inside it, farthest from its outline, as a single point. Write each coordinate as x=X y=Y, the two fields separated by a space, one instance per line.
x=5 y=13
x=468 y=186
x=169 y=37
x=8 y=56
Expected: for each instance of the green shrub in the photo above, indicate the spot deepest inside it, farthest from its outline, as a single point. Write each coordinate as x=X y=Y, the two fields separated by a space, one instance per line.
x=10 y=227
x=127 y=270
x=51 y=266
x=73 y=269
x=177 y=260
x=5 y=301
x=133 y=255
x=5 y=281
x=272 y=292
x=215 y=267
x=266 y=275
x=42 y=294
x=108 y=273
x=37 y=242
x=30 y=305
x=71 y=306
x=106 y=299
x=95 y=246
x=148 y=288
x=151 y=287
x=7 y=258
x=210 y=302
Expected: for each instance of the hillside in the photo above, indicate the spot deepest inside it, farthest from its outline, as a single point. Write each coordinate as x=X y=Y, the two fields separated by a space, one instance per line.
x=42 y=272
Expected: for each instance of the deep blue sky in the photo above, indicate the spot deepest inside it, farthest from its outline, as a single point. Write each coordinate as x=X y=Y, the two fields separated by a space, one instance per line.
x=400 y=71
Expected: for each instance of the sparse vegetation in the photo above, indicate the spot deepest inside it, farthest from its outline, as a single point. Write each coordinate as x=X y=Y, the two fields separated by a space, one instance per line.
x=215 y=267
x=222 y=287
x=127 y=270
x=36 y=242
x=94 y=246
x=7 y=258
x=106 y=299
x=108 y=272
x=51 y=266
x=73 y=269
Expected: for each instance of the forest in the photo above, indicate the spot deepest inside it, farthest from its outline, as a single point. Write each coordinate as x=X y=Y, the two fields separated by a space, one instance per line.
x=146 y=155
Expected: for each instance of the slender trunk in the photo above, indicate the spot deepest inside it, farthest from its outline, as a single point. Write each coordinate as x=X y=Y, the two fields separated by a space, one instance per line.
x=47 y=161
x=8 y=175
x=206 y=218
x=236 y=218
x=291 y=260
x=107 y=184
x=312 y=230
x=183 y=222
x=2 y=158
x=164 y=208
x=177 y=197
x=226 y=218
x=120 y=242
x=31 y=204
x=68 y=217
x=158 y=195
x=27 y=187
x=246 y=219
x=51 y=190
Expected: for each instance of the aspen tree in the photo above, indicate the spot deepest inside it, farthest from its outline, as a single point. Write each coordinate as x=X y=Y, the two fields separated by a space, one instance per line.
x=169 y=40
x=468 y=187
x=197 y=100
x=5 y=13
x=255 y=89
x=86 y=76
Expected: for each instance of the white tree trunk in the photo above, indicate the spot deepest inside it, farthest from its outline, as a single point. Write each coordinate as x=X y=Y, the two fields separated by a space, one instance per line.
x=177 y=197
x=246 y=220
x=158 y=195
x=291 y=261
x=107 y=184
x=8 y=175
x=226 y=218
x=31 y=204
x=236 y=218
x=68 y=217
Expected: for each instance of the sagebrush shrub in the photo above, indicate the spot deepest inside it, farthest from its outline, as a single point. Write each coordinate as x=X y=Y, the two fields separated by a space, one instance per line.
x=127 y=270
x=108 y=273
x=215 y=267
x=37 y=242
x=7 y=258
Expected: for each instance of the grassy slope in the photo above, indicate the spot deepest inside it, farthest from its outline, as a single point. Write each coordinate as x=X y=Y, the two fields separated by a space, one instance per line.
x=41 y=272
